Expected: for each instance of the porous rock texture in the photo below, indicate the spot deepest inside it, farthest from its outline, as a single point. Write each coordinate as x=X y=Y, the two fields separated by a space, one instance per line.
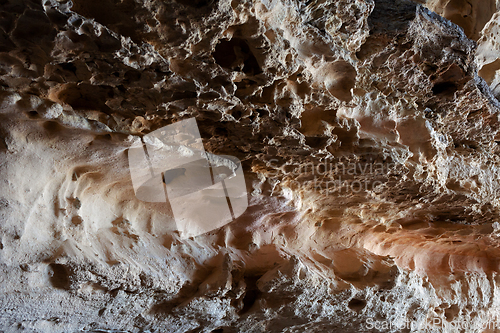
x=369 y=136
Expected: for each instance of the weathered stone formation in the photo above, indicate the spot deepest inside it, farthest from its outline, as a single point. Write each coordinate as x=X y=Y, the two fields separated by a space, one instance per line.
x=368 y=132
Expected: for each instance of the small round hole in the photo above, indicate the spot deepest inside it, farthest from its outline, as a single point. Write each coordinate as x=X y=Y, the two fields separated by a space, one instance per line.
x=33 y=114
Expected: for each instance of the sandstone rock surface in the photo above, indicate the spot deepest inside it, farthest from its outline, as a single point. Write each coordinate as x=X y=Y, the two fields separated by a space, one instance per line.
x=368 y=132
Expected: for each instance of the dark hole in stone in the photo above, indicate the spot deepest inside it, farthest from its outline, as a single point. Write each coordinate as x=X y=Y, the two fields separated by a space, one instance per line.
x=6 y=44
x=221 y=131
x=177 y=95
x=251 y=65
x=116 y=15
x=261 y=112
x=197 y=3
x=58 y=276
x=32 y=114
x=219 y=330
x=86 y=96
x=444 y=88
x=249 y=300
x=316 y=141
x=357 y=304
x=236 y=53
x=69 y=67
x=76 y=220
x=56 y=16
x=224 y=54
x=132 y=75
x=6 y=21
x=465 y=144
x=236 y=114
x=33 y=26
x=251 y=295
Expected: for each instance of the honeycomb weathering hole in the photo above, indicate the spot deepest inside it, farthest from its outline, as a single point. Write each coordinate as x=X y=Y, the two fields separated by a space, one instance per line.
x=236 y=54
x=59 y=276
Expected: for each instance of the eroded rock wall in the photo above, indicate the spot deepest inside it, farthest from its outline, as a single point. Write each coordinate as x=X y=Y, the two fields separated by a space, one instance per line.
x=369 y=144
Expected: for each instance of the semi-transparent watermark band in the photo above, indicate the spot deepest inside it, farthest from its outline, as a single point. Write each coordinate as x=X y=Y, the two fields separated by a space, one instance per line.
x=205 y=191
